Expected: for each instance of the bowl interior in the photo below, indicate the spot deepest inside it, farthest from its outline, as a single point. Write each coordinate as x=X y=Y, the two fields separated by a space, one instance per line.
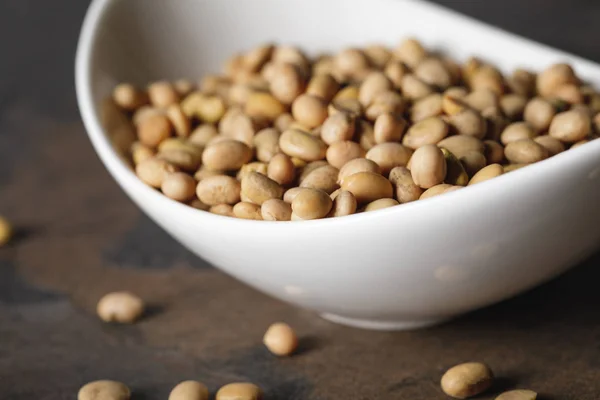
x=139 y=41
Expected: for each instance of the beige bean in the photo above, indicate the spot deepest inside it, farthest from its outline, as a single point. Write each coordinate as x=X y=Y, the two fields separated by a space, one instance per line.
x=404 y=187
x=203 y=173
x=311 y=204
x=452 y=103
x=340 y=153
x=263 y=105
x=570 y=126
x=189 y=390
x=522 y=82
x=239 y=391
x=140 y=152
x=513 y=167
x=228 y=118
x=455 y=171
x=539 y=114
x=461 y=145
x=481 y=99
x=493 y=152
x=246 y=210
x=214 y=84
x=365 y=134
x=276 y=210
x=219 y=189
x=549 y=80
x=309 y=110
x=428 y=166
x=281 y=169
x=473 y=161
x=153 y=129
x=162 y=94
x=222 y=209
x=349 y=62
x=496 y=122
x=389 y=128
x=348 y=93
x=283 y=122
x=254 y=59
x=142 y=113
x=280 y=339
x=208 y=109
x=380 y=204
x=242 y=128
x=255 y=166
x=378 y=55
x=324 y=86
x=525 y=151
x=368 y=186
x=517 y=131
x=414 y=88
x=291 y=194
x=296 y=143
x=202 y=135
x=122 y=307
x=569 y=93
x=357 y=165
x=428 y=106
x=259 y=188
x=344 y=203
x=395 y=71
x=434 y=72
x=552 y=145
x=487 y=78
x=266 y=142
x=346 y=106
x=389 y=155
x=183 y=87
x=376 y=82
x=128 y=97
x=519 y=394
x=428 y=131
x=310 y=167
x=226 y=155
x=437 y=190
x=185 y=159
x=199 y=205
x=153 y=171
x=338 y=127
x=179 y=120
x=488 y=172
x=410 y=52
x=287 y=83
x=179 y=186
x=385 y=102
x=323 y=178
x=469 y=123
x=513 y=105
x=467 y=380
x=238 y=94
x=104 y=389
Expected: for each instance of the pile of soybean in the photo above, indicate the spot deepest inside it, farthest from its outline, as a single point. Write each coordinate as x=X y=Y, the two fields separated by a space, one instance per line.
x=279 y=136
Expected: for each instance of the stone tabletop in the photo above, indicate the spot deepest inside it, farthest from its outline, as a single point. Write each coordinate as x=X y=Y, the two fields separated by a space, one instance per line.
x=79 y=237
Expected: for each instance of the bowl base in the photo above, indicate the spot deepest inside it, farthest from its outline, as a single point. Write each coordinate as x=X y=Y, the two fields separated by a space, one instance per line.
x=381 y=325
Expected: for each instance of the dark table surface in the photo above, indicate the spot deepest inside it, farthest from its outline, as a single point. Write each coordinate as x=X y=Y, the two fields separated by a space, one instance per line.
x=80 y=237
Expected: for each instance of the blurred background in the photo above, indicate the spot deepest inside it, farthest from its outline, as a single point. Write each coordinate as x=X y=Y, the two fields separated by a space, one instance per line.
x=78 y=234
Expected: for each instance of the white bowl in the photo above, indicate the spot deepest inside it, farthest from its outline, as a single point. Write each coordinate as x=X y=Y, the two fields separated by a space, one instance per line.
x=397 y=268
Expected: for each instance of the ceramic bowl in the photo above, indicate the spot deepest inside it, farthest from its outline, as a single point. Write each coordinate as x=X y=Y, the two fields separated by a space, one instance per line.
x=398 y=268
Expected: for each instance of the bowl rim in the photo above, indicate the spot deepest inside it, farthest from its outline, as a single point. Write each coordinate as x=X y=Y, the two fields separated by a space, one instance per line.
x=126 y=176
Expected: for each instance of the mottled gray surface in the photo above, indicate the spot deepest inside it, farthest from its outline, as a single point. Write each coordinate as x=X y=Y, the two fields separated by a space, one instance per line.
x=79 y=237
